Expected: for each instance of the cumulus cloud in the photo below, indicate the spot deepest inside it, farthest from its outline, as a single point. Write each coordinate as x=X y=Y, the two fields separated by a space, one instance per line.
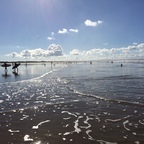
x=132 y=51
x=75 y=52
x=92 y=23
x=63 y=31
x=53 y=50
x=73 y=30
x=50 y=38
x=100 y=53
x=13 y=54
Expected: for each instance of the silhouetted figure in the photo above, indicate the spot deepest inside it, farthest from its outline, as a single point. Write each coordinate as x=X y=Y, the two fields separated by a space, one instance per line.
x=6 y=71
x=91 y=63
x=5 y=65
x=15 y=66
x=121 y=65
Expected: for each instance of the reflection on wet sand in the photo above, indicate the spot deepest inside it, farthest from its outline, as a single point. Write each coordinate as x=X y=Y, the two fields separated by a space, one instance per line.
x=94 y=104
x=84 y=122
x=15 y=73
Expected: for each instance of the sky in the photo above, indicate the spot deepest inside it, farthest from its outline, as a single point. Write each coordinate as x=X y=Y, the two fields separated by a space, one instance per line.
x=71 y=29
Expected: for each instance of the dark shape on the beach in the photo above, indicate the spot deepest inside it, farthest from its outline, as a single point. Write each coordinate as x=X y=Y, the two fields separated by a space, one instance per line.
x=15 y=73
x=121 y=65
x=112 y=62
x=6 y=74
x=5 y=65
x=90 y=62
x=15 y=65
x=15 y=68
x=51 y=64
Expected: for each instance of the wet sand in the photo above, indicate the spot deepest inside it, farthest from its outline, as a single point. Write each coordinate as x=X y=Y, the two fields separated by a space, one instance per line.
x=73 y=122
x=102 y=105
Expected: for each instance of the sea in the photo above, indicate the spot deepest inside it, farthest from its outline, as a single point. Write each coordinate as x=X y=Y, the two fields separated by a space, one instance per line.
x=99 y=102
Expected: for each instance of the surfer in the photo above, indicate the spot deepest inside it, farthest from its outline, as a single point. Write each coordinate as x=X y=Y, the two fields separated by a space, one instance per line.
x=15 y=67
x=5 y=65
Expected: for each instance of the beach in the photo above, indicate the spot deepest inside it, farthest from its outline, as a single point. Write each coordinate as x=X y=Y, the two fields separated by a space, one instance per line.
x=98 y=103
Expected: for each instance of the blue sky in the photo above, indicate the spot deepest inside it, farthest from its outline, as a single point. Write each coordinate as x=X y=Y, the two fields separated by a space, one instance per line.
x=76 y=27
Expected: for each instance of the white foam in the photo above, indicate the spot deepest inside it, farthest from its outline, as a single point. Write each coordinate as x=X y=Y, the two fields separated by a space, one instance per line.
x=37 y=126
x=134 y=133
x=64 y=139
x=66 y=125
x=97 y=118
x=89 y=137
x=137 y=142
x=78 y=130
x=38 y=142
x=86 y=122
x=69 y=113
x=1 y=101
x=67 y=133
x=124 y=123
x=67 y=118
x=113 y=120
x=13 y=131
x=141 y=122
x=26 y=138
x=24 y=117
x=106 y=142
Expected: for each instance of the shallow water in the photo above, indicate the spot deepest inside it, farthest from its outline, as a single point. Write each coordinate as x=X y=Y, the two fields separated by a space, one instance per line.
x=25 y=72
x=100 y=103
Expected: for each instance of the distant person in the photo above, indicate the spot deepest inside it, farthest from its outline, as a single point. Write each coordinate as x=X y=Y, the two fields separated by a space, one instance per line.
x=121 y=65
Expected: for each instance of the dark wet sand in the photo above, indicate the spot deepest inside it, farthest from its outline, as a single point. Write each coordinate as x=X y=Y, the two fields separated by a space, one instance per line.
x=73 y=122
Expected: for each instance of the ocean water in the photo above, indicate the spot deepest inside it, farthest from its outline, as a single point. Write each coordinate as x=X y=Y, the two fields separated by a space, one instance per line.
x=102 y=103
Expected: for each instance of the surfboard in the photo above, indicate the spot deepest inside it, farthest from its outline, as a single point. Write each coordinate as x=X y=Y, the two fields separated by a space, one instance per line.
x=16 y=65
x=5 y=65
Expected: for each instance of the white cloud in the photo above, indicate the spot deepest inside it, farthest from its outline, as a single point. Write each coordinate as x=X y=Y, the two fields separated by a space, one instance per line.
x=141 y=45
x=52 y=33
x=105 y=43
x=53 y=50
x=99 y=22
x=50 y=38
x=73 y=30
x=104 y=53
x=13 y=54
x=63 y=31
x=75 y=52
x=56 y=52
x=134 y=43
x=26 y=53
x=91 y=23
